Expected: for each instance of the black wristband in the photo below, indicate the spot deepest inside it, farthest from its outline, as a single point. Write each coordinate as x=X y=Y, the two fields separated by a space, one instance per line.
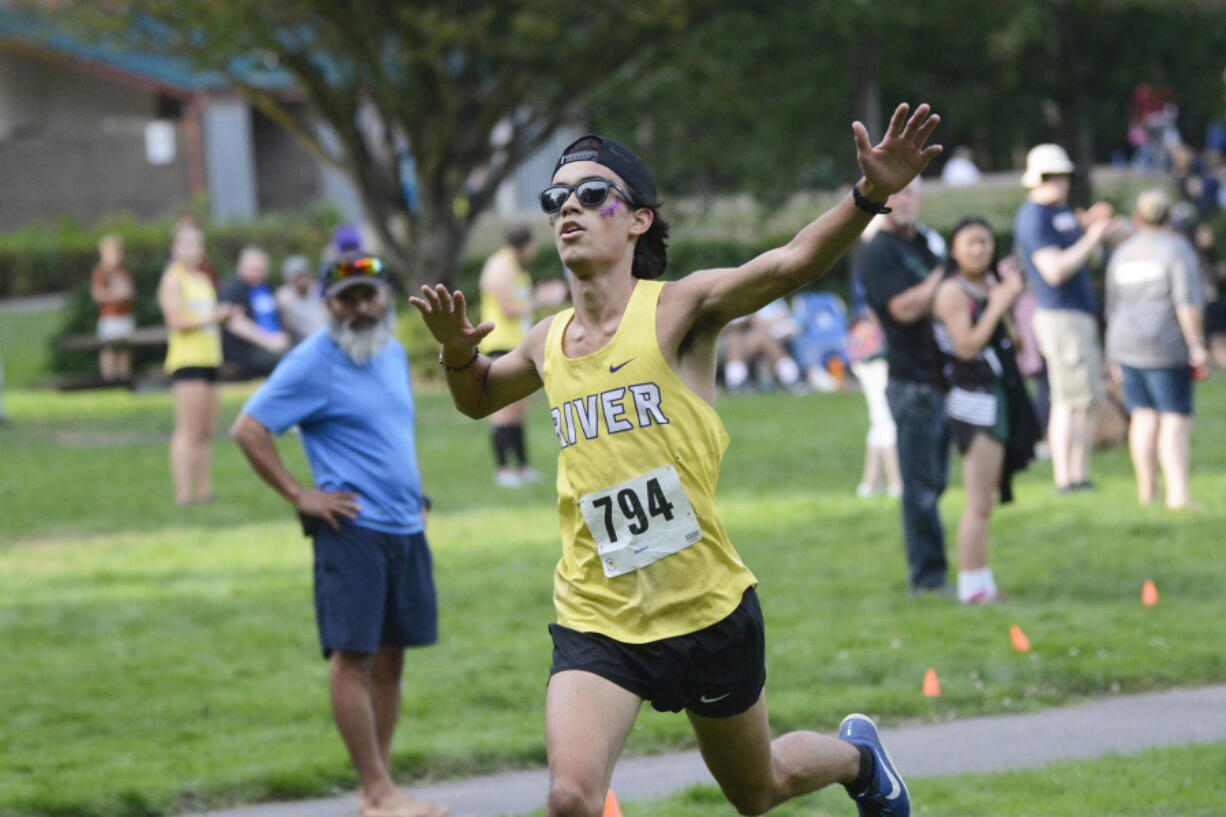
x=446 y=368
x=870 y=207
x=426 y=502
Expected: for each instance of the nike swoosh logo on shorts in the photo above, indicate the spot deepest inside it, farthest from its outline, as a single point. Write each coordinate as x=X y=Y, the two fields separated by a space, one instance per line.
x=708 y=700
x=613 y=369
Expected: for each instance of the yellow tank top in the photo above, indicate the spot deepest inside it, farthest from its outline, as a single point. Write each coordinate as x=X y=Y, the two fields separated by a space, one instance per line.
x=644 y=553
x=508 y=332
x=194 y=347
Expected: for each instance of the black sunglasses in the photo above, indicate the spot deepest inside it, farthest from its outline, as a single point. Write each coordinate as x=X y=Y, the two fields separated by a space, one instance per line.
x=591 y=192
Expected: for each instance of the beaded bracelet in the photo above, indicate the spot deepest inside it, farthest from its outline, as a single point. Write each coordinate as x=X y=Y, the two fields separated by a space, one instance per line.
x=446 y=368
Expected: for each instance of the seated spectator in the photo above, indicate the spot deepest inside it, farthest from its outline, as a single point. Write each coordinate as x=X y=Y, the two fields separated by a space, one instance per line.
x=299 y=299
x=960 y=170
x=252 y=339
x=110 y=285
x=819 y=346
x=762 y=334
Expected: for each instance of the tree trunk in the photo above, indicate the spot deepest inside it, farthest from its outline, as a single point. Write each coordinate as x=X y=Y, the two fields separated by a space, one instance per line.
x=437 y=242
x=1074 y=104
x=868 y=87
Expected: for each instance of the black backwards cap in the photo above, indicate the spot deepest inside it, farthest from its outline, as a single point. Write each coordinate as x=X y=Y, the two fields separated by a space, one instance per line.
x=620 y=159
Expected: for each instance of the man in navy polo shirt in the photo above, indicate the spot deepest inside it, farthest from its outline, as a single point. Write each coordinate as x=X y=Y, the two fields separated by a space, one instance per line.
x=348 y=391
x=1055 y=245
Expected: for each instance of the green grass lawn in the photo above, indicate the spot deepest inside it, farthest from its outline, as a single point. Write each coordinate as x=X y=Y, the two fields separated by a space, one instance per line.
x=1157 y=783
x=25 y=349
x=163 y=659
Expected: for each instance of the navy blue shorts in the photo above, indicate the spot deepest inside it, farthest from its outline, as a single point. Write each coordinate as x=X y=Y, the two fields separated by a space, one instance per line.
x=373 y=589
x=716 y=672
x=1168 y=391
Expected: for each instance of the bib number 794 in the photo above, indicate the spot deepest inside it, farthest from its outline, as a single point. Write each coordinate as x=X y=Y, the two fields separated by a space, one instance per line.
x=641 y=520
x=631 y=507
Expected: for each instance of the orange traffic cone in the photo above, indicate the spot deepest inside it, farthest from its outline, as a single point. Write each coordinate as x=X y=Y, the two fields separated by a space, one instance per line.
x=611 y=809
x=1020 y=642
x=932 y=687
x=1149 y=593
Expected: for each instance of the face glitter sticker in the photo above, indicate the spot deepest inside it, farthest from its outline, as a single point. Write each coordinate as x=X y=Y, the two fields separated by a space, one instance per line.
x=611 y=209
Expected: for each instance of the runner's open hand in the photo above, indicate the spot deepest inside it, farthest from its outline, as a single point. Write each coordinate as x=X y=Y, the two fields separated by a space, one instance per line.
x=447 y=319
x=900 y=155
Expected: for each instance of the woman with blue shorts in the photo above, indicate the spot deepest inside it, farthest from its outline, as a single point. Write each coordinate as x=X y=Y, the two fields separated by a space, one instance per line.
x=1155 y=342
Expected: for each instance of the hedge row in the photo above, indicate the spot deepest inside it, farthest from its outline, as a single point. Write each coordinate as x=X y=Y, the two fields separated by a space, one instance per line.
x=55 y=258
x=66 y=256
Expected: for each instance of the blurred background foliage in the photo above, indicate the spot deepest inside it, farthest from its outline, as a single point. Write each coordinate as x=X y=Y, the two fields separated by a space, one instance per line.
x=741 y=109
x=759 y=99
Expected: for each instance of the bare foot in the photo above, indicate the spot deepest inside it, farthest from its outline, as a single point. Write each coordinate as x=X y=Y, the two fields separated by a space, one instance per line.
x=1189 y=505
x=399 y=804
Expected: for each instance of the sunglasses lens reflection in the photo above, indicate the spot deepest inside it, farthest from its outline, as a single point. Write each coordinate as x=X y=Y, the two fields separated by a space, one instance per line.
x=552 y=198
x=592 y=193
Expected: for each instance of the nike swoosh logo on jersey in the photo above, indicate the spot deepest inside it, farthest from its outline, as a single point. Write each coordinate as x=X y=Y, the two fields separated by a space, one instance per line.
x=613 y=369
x=707 y=700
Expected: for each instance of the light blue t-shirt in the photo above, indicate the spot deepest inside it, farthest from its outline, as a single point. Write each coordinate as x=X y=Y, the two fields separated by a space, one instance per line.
x=356 y=424
x=1038 y=226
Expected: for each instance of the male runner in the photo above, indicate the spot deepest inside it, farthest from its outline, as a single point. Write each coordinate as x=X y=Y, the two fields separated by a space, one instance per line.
x=653 y=602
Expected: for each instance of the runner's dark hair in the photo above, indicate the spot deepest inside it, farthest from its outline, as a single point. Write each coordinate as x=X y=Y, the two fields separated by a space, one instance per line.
x=651 y=251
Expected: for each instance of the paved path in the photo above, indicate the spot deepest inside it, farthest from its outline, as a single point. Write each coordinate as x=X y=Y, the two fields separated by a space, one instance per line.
x=33 y=303
x=1125 y=723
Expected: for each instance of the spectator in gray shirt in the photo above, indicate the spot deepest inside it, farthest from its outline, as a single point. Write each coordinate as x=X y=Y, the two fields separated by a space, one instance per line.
x=299 y=299
x=1155 y=341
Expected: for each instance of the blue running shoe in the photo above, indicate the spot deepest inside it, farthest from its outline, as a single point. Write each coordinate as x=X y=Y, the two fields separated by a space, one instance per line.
x=887 y=795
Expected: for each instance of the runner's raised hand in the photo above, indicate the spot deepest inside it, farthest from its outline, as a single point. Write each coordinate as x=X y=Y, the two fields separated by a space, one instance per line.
x=900 y=156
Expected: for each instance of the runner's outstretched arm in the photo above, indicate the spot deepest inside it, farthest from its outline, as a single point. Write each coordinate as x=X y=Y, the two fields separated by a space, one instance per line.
x=479 y=386
x=716 y=296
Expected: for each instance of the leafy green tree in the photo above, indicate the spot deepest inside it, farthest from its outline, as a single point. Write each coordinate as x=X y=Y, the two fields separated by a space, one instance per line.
x=1072 y=65
x=436 y=80
x=760 y=100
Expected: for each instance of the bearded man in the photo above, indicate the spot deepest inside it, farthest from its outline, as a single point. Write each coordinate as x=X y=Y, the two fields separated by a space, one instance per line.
x=348 y=392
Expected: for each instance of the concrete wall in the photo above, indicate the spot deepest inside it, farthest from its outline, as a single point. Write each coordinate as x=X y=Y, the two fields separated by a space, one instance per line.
x=73 y=144
x=87 y=177
x=288 y=176
x=56 y=99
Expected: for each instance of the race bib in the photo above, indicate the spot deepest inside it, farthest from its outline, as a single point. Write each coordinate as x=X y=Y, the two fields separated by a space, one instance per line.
x=640 y=521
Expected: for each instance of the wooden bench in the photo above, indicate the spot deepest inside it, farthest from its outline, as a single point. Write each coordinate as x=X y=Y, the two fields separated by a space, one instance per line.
x=145 y=337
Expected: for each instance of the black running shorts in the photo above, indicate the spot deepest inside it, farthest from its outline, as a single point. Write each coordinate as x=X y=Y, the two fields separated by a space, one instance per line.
x=716 y=672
